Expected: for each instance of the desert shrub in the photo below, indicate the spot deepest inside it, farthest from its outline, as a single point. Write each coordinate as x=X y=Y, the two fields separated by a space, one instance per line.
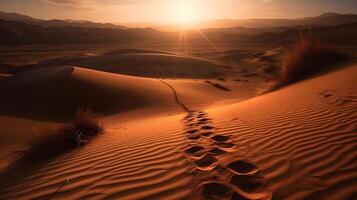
x=308 y=56
x=64 y=138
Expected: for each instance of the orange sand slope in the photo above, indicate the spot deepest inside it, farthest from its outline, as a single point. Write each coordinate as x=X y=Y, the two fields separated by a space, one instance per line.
x=31 y=100
x=303 y=138
x=296 y=143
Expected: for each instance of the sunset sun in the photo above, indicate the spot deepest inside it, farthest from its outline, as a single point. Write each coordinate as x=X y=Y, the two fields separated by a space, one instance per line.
x=185 y=13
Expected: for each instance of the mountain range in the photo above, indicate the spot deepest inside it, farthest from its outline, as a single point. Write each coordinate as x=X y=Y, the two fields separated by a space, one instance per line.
x=21 y=29
x=326 y=19
x=15 y=17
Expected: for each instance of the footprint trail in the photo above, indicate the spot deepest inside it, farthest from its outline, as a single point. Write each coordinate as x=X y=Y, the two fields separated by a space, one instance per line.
x=237 y=180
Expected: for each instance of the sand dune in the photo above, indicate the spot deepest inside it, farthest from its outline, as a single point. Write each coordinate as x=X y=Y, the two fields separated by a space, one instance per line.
x=296 y=143
x=145 y=63
x=266 y=110
x=132 y=160
x=4 y=76
x=57 y=91
x=14 y=132
x=130 y=51
x=303 y=138
x=31 y=99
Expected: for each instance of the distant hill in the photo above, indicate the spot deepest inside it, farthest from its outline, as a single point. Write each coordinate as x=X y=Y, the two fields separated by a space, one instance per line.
x=20 y=29
x=326 y=19
x=24 y=33
x=345 y=33
x=15 y=17
x=248 y=31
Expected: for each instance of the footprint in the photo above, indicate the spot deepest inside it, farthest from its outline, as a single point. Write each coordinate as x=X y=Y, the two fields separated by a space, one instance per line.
x=189 y=119
x=207 y=162
x=207 y=127
x=192 y=131
x=242 y=167
x=345 y=101
x=203 y=120
x=192 y=124
x=200 y=123
x=237 y=196
x=220 y=138
x=194 y=150
x=248 y=183
x=327 y=95
x=244 y=179
x=194 y=137
x=216 y=151
x=216 y=190
x=225 y=144
x=188 y=116
x=206 y=134
x=201 y=114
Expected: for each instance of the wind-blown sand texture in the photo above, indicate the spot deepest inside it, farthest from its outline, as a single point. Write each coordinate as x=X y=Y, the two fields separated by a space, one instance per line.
x=296 y=143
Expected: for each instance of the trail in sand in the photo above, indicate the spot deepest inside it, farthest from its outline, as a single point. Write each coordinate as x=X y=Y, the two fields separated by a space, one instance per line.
x=183 y=106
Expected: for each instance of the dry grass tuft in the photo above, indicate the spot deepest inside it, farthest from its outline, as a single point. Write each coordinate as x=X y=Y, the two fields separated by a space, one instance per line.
x=64 y=138
x=306 y=57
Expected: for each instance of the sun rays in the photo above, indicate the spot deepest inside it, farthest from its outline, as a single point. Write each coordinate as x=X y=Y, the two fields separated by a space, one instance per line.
x=184 y=37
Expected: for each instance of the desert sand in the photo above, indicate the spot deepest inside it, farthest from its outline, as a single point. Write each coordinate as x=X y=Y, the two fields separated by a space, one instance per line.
x=174 y=137
x=212 y=100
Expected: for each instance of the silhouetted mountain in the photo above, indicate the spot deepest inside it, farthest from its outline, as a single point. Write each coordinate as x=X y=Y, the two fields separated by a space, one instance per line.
x=13 y=32
x=248 y=31
x=327 y=19
x=345 y=33
x=23 y=33
x=15 y=17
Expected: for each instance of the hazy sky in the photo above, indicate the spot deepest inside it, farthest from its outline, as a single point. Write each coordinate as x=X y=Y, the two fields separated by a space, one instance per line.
x=174 y=10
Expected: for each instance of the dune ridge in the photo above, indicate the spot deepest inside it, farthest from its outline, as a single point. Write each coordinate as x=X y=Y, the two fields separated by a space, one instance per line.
x=143 y=63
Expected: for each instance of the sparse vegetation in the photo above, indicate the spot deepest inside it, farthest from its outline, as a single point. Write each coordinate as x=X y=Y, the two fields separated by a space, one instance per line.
x=309 y=55
x=306 y=57
x=61 y=139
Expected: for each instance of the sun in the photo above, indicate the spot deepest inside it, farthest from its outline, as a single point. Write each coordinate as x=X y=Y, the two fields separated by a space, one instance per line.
x=185 y=13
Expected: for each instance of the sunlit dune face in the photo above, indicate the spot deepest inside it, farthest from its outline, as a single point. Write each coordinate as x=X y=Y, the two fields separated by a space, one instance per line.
x=185 y=13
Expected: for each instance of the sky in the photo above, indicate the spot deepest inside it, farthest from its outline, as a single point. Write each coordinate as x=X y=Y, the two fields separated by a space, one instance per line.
x=174 y=11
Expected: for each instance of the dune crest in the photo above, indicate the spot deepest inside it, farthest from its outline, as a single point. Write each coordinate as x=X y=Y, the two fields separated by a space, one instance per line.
x=143 y=63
